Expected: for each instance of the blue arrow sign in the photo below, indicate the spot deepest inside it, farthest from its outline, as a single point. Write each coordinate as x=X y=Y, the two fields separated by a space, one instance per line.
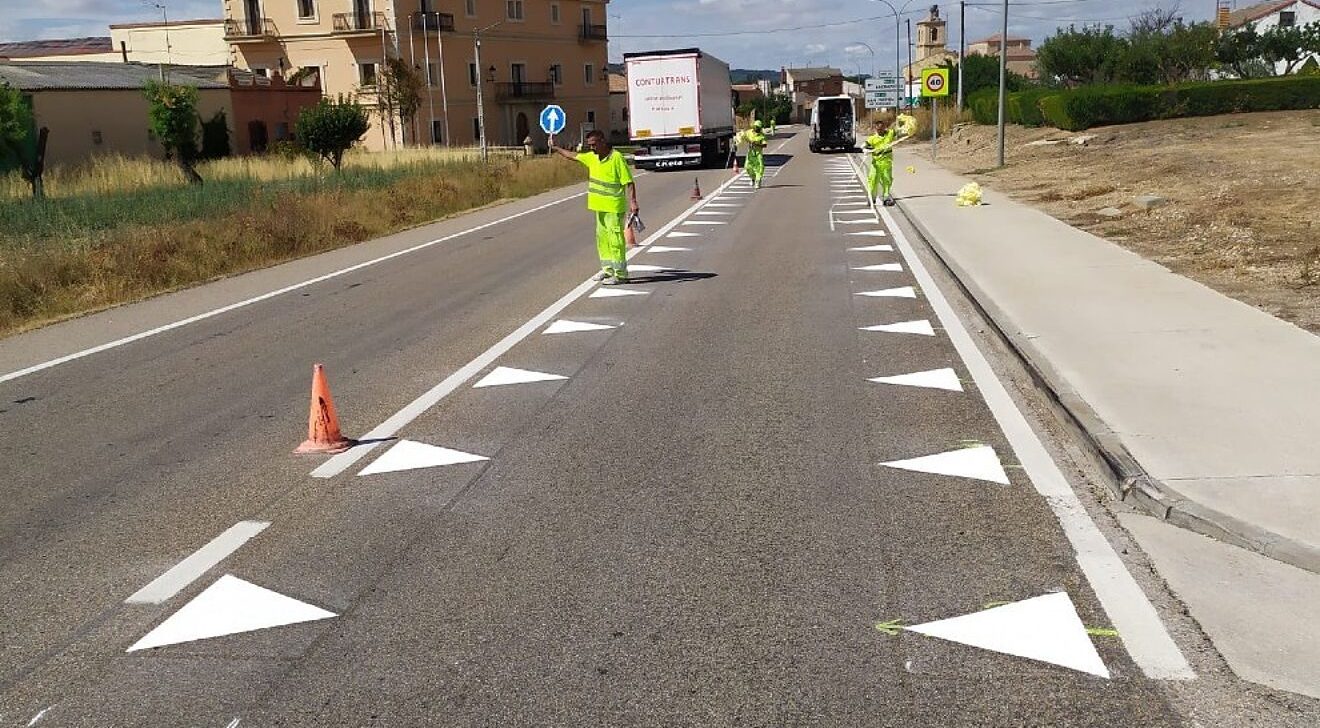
x=553 y=119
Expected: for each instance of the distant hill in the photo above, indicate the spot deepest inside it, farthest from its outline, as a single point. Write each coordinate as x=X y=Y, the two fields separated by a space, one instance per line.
x=751 y=75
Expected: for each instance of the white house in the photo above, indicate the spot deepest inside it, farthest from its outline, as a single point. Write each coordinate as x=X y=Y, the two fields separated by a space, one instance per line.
x=1285 y=13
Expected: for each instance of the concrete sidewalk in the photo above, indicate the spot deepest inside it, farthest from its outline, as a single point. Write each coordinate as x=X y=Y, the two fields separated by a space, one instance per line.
x=1207 y=409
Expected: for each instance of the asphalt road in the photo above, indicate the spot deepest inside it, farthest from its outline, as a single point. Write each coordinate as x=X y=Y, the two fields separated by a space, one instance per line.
x=692 y=527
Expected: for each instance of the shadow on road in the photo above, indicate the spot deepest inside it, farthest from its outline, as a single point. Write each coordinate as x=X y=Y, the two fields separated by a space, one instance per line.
x=671 y=276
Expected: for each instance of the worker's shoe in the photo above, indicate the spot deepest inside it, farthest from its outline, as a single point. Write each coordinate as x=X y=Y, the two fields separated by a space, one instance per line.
x=600 y=275
x=614 y=281
x=889 y=201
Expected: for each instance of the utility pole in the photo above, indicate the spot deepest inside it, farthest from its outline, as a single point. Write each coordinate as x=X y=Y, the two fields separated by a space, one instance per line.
x=444 y=94
x=1003 y=77
x=962 y=50
x=907 y=77
x=430 y=84
x=481 y=80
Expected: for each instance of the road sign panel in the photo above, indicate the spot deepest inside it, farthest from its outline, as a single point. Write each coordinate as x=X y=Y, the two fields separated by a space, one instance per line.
x=553 y=119
x=881 y=99
x=935 y=82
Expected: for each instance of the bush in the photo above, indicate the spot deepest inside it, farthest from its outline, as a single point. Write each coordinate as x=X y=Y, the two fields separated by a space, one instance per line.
x=331 y=127
x=984 y=106
x=1023 y=107
x=1103 y=105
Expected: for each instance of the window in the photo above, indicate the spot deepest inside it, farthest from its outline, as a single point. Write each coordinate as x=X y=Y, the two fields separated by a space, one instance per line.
x=557 y=74
x=282 y=131
x=1287 y=18
x=518 y=72
x=476 y=130
x=554 y=13
x=472 y=75
x=515 y=9
x=437 y=131
x=586 y=17
x=96 y=136
x=433 y=74
x=934 y=35
x=427 y=6
x=366 y=74
x=470 y=7
x=588 y=74
x=591 y=117
x=306 y=9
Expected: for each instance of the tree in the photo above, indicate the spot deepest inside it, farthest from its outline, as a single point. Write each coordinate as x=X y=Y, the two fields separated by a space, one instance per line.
x=398 y=92
x=981 y=72
x=1290 y=46
x=172 y=115
x=778 y=107
x=330 y=128
x=1083 y=56
x=1167 y=52
x=1253 y=54
x=19 y=145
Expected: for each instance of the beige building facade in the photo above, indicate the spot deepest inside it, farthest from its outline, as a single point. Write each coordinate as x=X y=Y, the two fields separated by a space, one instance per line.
x=180 y=43
x=1021 y=57
x=533 y=52
x=62 y=93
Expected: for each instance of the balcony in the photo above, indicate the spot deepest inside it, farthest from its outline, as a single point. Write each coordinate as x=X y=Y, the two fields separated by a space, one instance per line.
x=358 y=23
x=249 y=30
x=514 y=91
x=433 y=22
x=592 y=32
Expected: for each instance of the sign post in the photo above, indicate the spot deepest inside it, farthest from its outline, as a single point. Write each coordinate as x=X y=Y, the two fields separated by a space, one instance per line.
x=934 y=84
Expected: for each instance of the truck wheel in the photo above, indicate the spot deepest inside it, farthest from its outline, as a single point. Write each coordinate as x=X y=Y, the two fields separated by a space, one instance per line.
x=815 y=148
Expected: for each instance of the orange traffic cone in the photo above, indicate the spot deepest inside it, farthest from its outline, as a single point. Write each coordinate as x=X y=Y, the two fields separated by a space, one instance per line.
x=323 y=435
x=696 y=189
x=736 y=171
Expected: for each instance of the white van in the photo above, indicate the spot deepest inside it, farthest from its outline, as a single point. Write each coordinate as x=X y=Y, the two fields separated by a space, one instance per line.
x=833 y=124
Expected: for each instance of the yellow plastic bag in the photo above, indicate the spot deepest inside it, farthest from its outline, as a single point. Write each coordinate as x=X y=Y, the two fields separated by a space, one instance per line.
x=911 y=169
x=969 y=195
x=906 y=124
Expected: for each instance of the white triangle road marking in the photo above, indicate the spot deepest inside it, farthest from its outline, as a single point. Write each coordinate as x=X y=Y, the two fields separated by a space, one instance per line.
x=979 y=463
x=565 y=326
x=904 y=327
x=903 y=292
x=723 y=204
x=1045 y=629
x=871 y=221
x=501 y=376
x=681 y=234
x=635 y=268
x=889 y=267
x=871 y=233
x=704 y=222
x=229 y=606
x=411 y=455
x=616 y=292
x=873 y=249
x=933 y=379
x=665 y=249
x=712 y=212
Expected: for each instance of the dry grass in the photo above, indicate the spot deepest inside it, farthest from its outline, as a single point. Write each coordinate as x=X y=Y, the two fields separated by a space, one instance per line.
x=1241 y=193
x=91 y=258
x=115 y=174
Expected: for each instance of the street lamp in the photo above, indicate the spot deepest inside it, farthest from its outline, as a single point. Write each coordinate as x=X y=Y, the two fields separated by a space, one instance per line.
x=869 y=48
x=898 y=65
x=481 y=106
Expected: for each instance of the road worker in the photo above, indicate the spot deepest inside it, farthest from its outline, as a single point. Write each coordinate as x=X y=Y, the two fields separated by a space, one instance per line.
x=610 y=194
x=756 y=141
x=881 y=177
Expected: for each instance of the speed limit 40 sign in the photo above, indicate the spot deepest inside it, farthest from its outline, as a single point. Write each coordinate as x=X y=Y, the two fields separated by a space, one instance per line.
x=935 y=82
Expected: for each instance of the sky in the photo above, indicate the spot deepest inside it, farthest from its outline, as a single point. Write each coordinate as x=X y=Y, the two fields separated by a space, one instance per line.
x=770 y=33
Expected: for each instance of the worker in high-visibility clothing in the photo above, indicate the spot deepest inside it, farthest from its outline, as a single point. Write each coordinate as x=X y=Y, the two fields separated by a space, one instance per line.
x=756 y=141
x=772 y=127
x=881 y=147
x=611 y=194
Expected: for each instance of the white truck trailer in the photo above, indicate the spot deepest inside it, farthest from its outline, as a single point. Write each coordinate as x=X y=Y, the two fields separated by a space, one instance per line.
x=680 y=108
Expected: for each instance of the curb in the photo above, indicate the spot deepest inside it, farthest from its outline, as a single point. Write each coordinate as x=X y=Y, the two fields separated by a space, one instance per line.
x=1128 y=479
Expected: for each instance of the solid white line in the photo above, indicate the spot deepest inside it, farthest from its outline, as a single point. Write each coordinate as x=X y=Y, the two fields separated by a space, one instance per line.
x=257 y=299
x=187 y=571
x=390 y=427
x=1138 y=625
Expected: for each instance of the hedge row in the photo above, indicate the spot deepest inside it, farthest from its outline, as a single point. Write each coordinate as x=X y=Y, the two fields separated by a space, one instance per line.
x=1085 y=108
x=1090 y=106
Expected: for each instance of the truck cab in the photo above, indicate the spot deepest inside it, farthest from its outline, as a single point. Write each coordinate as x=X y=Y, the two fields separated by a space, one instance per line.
x=833 y=124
